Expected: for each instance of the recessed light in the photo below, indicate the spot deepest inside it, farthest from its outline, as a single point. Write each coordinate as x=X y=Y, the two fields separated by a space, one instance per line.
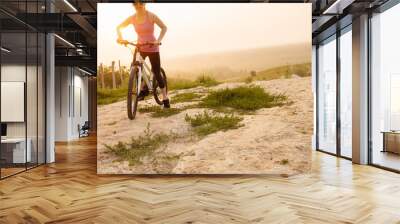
x=70 y=5
x=86 y=72
x=64 y=40
x=5 y=50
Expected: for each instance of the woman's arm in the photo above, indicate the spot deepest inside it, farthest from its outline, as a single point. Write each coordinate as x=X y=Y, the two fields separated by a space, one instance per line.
x=161 y=24
x=121 y=26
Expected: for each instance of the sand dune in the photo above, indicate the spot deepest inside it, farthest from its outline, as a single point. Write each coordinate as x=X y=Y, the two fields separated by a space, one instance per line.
x=267 y=138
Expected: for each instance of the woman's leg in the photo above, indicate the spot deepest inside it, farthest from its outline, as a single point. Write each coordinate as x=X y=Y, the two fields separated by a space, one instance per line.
x=156 y=68
x=143 y=86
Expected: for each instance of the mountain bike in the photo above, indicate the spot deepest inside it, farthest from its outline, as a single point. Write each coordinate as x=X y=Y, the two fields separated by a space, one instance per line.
x=140 y=71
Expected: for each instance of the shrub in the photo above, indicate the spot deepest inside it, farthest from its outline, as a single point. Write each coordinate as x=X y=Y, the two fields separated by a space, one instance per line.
x=243 y=98
x=206 y=123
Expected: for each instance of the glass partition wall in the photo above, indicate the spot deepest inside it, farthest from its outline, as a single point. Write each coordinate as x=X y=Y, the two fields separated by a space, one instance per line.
x=385 y=89
x=22 y=77
x=334 y=83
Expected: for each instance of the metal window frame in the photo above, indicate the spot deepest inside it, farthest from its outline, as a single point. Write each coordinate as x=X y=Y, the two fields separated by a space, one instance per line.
x=44 y=75
x=340 y=31
x=387 y=5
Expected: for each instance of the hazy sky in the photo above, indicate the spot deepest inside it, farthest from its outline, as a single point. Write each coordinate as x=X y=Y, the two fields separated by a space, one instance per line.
x=195 y=28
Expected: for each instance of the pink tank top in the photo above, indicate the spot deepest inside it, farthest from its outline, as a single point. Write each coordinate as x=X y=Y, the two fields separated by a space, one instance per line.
x=145 y=32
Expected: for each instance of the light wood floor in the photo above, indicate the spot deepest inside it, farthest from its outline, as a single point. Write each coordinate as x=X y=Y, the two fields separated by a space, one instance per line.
x=69 y=191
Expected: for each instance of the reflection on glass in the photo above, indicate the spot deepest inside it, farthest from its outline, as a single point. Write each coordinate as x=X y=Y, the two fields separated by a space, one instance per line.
x=327 y=96
x=385 y=93
x=346 y=94
x=23 y=92
x=14 y=153
x=395 y=102
x=31 y=97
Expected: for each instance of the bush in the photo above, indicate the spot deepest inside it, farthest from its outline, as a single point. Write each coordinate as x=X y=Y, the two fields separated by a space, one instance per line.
x=243 y=98
x=206 y=123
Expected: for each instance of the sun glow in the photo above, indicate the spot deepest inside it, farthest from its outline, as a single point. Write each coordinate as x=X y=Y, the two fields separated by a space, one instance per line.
x=203 y=28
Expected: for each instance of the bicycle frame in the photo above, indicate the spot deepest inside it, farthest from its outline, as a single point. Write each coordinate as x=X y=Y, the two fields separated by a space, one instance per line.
x=144 y=71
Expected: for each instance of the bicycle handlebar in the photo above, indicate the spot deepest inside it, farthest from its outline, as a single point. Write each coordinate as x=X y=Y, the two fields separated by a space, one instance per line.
x=125 y=42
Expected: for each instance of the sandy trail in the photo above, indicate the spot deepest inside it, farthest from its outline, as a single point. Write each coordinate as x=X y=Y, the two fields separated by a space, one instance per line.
x=272 y=141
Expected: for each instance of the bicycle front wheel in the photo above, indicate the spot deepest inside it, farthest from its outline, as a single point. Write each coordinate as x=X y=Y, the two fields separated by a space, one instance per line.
x=132 y=99
x=157 y=90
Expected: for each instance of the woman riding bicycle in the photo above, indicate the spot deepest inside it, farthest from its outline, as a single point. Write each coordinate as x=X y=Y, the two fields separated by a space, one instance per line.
x=144 y=21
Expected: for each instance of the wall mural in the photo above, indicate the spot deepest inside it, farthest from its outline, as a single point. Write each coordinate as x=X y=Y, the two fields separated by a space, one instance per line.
x=204 y=88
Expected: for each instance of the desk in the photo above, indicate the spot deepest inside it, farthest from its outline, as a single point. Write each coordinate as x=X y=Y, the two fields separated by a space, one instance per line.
x=391 y=141
x=15 y=148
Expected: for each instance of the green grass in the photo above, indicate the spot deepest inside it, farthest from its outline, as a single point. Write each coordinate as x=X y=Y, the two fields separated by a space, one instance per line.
x=174 y=84
x=157 y=111
x=284 y=161
x=243 y=98
x=139 y=147
x=171 y=158
x=285 y=71
x=185 y=97
x=249 y=79
x=206 y=123
x=112 y=123
x=108 y=96
x=206 y=81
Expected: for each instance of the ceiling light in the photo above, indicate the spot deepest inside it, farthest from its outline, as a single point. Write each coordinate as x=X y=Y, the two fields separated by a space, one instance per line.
x=5 y=50
x=86 y=72
x=64 y=40
x=338 y=6
x=70 y=5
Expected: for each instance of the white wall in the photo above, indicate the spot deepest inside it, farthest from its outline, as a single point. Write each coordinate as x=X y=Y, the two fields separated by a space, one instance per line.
x=62 y=81
x=12 y=73
x=33 y=127
x=70 y=83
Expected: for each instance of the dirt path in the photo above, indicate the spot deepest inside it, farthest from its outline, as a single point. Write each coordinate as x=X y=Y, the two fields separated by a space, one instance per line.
x=272 y=141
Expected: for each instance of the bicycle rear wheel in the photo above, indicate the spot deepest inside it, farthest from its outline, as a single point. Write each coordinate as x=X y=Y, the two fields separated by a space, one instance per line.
x=157 y=90
x=132 y=99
